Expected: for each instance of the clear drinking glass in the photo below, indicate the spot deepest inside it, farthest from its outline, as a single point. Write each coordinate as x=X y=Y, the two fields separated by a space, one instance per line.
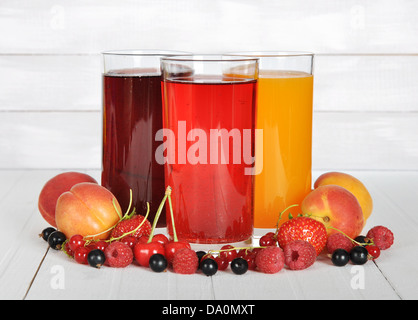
x=209 y=105
x=284 y=113
x=132 y=114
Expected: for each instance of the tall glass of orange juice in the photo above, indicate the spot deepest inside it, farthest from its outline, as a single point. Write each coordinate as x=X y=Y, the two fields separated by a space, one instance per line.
x=284 y=113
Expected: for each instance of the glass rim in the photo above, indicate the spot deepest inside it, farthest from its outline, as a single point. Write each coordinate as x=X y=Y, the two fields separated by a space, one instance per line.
x=144 y=52
x=210 y=58
x=272 y=54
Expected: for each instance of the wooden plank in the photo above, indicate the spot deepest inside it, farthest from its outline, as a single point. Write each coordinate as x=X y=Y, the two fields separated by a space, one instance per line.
x=394 y=197
x=321 y=281
x=82 y=282
x=366 y=83
x=51 y=82
x=50 y=140
x=60 y=277
x=341 y=141
x=342 y=83
x=207 y=26
x=21 y=252
x=75 y=281
x=369 y=141
x=21 y=248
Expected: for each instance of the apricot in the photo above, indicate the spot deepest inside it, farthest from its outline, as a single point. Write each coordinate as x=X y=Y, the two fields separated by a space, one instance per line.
x=53 y=188
x=337 y=208
x=88 y=209
x=353 y=185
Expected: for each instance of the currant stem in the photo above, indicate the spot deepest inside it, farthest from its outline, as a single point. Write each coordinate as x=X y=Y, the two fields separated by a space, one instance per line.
x=92 y=236
x=157 y=215
x=63 y=249
x=172 y=214
x=356 y=242
x=230 y=249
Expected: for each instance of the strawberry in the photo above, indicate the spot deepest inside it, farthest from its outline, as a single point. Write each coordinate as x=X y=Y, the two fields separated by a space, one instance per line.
x=131 y=224
x=303 y=228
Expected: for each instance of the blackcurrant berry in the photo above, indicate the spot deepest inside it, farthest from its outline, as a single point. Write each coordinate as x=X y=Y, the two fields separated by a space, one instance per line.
x=363 y=240
x=46 y=232
x=56 y=239
x=157 y=262
x=340 y=257
x=96 y=258
x=358 y=255
x=239 y=266
x=209 y=267
x=200 y=255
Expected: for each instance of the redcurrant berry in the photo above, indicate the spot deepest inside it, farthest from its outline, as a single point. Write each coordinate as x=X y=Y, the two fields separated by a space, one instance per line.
x=76 y=241
x=130 y=241
x=268 y=240
x=80 y=255
x=229 y=254
x=222 y=263
x=373 y=251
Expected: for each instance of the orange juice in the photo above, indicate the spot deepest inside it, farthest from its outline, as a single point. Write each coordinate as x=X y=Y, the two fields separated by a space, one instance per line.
x=285 y=115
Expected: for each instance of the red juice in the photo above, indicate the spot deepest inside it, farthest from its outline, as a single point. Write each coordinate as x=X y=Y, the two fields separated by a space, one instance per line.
x=132 y=114
x=212 y=197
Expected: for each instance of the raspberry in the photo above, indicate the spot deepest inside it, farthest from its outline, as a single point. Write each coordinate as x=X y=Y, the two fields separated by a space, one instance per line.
x=270 y=260
x=299 y=255
x=185 y=261
x=118 y=255
x=381 y=236
x=338 y=241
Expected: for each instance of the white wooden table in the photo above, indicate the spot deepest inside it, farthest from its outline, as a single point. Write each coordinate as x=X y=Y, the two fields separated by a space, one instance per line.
x=28 y=270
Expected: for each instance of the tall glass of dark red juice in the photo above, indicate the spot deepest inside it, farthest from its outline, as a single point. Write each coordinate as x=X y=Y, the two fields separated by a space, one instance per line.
x=132 y=114
x=209 y=125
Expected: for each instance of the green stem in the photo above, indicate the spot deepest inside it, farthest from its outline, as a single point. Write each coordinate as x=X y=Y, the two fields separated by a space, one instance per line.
x=127 y=215
x=91 y=236
x=280 y=216
x=157 y=215
x=356 y=242
x=230 y=249
x=116 y=209
x=172 y=215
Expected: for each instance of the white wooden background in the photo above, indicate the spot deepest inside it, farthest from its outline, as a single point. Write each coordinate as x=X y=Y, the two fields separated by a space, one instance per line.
x=365 y=106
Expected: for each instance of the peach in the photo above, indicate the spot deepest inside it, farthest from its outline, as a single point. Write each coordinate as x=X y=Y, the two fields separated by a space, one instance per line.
x=353 y=185
x=88 y=209
x=336 y=207
x=53 y=188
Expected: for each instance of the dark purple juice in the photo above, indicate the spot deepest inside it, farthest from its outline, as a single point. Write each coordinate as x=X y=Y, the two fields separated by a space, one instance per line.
x=132 y=114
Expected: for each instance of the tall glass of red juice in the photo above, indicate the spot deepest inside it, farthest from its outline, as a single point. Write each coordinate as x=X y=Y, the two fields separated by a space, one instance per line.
x=207 y=145
x=132 y=114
